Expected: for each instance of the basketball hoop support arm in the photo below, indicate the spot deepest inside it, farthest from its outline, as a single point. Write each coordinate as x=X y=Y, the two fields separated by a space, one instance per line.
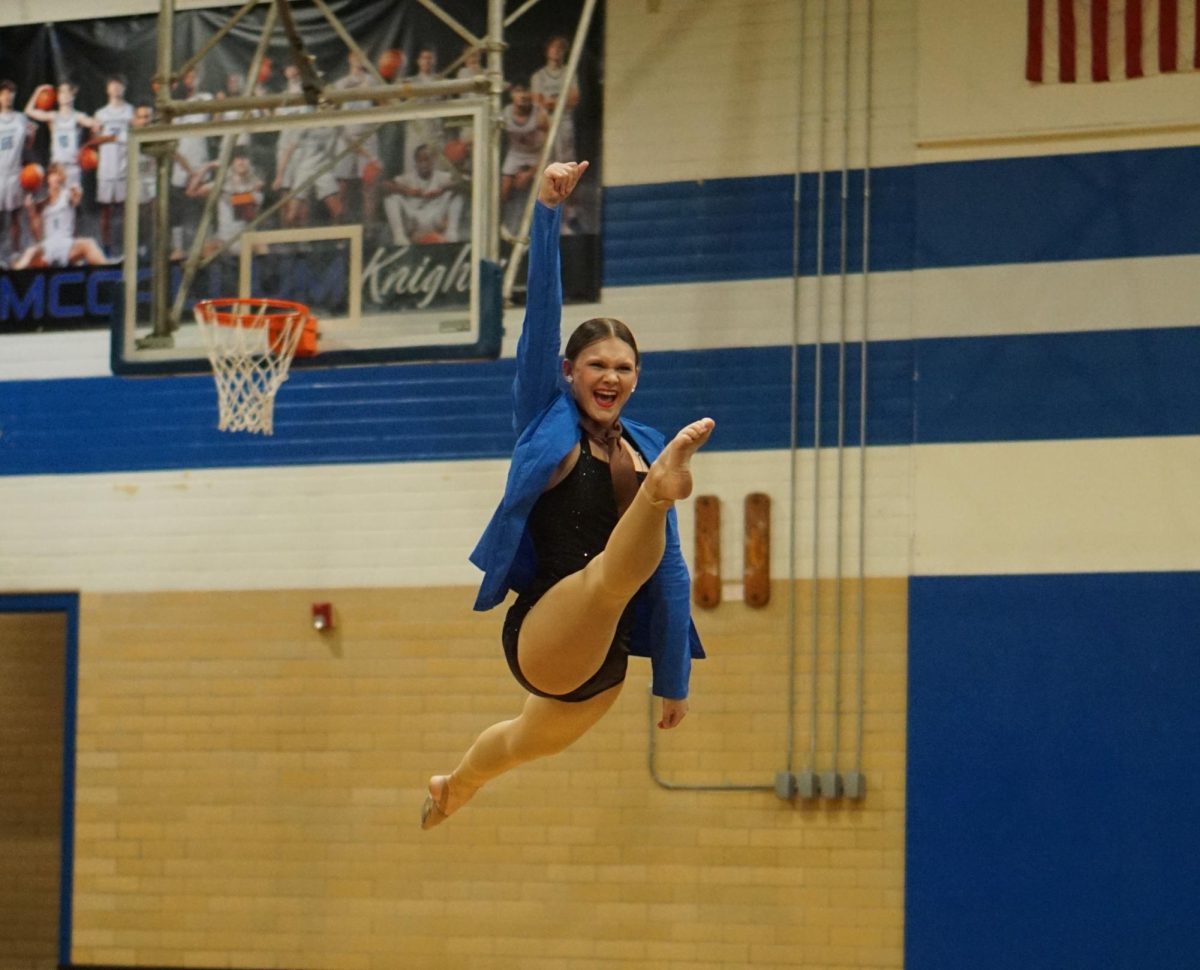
x=160 y=279
x=521 y=242
x=495 y=75
x=192 y=264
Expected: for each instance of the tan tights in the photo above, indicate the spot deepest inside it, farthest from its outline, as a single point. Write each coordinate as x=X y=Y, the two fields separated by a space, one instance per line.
x=563 y=641
x=544 y=727
x=565 y=637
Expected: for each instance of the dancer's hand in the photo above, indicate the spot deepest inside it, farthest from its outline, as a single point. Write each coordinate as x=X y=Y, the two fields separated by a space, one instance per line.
x=558 y=181
x=673 y=712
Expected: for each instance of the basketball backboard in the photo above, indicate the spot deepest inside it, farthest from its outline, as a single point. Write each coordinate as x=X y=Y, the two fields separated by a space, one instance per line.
x=375 y=223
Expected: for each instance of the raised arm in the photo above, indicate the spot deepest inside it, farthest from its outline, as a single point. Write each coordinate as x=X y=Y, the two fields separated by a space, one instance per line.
x=31 y=108
x=536 y=381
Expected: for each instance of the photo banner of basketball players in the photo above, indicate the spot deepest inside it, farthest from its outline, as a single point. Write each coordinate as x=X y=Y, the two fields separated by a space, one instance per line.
x=70 y=91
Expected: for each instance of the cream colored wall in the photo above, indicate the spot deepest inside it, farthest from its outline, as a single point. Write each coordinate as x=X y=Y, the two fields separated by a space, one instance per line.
x=32 y=664
x=713 y=90
x=248 y=796
x=973 y=100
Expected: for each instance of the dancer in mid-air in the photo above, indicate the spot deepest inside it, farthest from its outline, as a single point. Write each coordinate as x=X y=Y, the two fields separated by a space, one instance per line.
x=585 y=534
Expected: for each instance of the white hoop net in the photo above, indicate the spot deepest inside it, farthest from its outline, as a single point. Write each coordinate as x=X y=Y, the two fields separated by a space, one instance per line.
x=250 y=343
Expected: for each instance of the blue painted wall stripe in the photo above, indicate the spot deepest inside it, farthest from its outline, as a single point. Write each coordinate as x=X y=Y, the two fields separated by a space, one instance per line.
x=1109 y=384
x=1103 y=205
x=1011 y=388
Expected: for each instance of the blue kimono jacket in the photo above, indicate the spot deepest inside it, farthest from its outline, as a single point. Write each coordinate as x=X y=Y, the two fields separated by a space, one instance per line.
x=547 y=420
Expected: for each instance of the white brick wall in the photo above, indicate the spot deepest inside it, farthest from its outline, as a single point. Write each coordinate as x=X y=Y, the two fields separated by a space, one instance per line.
x=410 y=524
x=368 y=525
x=694 y=91
x=1027 y=507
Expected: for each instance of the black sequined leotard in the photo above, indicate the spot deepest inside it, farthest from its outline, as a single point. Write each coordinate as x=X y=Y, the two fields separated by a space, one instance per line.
x=570 y=525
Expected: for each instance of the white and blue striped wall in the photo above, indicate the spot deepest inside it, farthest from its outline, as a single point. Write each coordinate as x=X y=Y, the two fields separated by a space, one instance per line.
x=1033 y=321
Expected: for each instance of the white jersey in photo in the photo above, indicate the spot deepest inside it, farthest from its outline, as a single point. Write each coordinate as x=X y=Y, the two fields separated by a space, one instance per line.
x=349 y=83
x=64 y=138
x=114 y=120
x=147 y=178
x=525 y=141
x=58 y=217
x=65 y=143
x=420 y=217
x=353 y=163
x=14 y=127
x=467 y=132
x=549 y=83
x=423 y=131
x=58 y=229
x=314 y=151
x=287 y=157
x=420 y=79
x=242 y=138
x=228 y=223
x=193 y=148
x=465 y=73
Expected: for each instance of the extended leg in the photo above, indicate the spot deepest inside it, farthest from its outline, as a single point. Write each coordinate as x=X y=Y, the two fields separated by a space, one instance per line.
x=544 y=727
x=28 y=258
x=86 y=250
x=566 y=635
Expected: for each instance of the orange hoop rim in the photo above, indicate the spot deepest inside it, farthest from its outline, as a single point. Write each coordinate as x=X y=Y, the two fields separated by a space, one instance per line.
x=217 y=311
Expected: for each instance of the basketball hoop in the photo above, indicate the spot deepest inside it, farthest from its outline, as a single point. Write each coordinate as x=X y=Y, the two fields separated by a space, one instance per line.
x=251 y=342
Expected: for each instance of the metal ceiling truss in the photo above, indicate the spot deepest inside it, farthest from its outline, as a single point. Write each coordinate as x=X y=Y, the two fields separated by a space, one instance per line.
x=324 y=100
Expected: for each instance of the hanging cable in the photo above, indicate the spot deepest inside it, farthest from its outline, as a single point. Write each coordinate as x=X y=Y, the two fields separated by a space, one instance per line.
x=820 y=283
x=843 y=274
x=794 y=442
x=860 y=645
x=794 y=414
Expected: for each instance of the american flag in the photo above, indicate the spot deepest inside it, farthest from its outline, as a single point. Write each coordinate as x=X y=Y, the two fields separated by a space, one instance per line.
x=1110 y=40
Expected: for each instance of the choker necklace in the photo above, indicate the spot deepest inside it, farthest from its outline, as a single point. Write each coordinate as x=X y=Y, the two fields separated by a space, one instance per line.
x=620 y=462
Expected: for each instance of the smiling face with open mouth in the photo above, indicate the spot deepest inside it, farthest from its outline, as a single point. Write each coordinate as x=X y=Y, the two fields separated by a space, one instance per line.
x=602 y=376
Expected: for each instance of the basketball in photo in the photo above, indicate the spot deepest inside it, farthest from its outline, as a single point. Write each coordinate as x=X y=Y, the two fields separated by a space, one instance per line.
x=390 y=62
x=32 y=176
